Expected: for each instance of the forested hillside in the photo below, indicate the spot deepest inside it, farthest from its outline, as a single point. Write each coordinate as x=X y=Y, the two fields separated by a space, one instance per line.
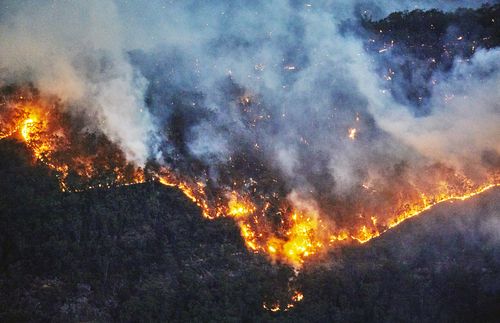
x=145 y=253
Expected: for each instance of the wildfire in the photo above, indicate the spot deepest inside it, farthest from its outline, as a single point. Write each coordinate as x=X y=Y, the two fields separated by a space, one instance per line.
x=268 y=223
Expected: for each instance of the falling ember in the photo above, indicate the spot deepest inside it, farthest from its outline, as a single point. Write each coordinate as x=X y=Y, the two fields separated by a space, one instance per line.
x=351 y=133
x=245 y=100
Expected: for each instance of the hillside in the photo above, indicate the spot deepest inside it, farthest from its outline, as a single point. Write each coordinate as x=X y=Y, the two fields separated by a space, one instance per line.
x=145 y=253
x=132 y=253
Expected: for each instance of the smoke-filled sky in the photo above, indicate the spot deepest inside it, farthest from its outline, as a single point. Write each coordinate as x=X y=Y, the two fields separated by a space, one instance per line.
x=131 y=66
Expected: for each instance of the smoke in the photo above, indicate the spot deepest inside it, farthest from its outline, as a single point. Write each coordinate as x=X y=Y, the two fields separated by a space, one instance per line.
x=465 y=114
x=75 y=51
x=475 y=223
x=276 y=81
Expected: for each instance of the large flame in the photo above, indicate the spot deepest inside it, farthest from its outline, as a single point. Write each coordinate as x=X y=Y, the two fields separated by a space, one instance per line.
x=269 y=225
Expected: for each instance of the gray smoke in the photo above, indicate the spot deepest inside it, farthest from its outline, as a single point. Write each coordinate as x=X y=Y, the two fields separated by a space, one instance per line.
x=465 y=118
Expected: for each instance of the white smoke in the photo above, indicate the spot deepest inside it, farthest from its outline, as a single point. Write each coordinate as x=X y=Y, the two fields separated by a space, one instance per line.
x=465 y=118
x=74 y=50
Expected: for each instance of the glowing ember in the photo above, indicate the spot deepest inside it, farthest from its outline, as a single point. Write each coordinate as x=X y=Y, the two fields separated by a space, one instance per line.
x=272 y=308
x=297 y=297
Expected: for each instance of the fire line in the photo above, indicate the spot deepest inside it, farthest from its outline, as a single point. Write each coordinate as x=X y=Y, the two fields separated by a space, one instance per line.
x=298 y=236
